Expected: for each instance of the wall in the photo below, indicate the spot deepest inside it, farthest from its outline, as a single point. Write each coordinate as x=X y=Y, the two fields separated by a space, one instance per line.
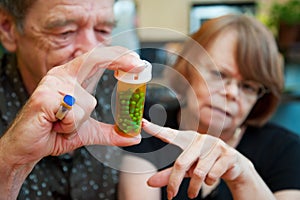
x=169 y=14
x=172 y=15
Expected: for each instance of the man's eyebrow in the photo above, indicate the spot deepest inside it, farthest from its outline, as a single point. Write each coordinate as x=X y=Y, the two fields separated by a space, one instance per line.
x=62 y=22
x=112 y=23
x=58 y=23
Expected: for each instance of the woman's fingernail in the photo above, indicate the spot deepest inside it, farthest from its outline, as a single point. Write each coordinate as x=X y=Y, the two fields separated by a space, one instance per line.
x=145 y=122
x=170 y=195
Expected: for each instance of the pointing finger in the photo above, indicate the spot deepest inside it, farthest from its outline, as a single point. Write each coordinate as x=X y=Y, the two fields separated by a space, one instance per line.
x=182 y=139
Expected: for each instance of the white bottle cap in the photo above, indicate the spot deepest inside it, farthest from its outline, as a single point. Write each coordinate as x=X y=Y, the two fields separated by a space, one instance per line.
x=136 y=78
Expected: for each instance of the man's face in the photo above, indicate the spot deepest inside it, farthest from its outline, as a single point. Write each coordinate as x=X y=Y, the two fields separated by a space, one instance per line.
x=57 y=31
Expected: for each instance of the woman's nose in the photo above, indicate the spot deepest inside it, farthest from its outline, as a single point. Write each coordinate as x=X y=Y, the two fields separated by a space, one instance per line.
x=232 y=88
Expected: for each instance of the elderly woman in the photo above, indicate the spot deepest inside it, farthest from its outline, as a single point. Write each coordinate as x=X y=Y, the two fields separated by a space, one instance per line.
x=233 y=82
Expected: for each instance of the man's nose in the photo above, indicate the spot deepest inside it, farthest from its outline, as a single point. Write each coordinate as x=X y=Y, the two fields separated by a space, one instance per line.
x=85 y=41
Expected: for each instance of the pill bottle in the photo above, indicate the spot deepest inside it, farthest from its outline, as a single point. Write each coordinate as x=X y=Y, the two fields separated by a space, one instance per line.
x=130 y=99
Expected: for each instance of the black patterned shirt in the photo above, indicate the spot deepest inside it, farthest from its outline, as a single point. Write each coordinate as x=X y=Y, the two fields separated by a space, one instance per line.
x=84 y=174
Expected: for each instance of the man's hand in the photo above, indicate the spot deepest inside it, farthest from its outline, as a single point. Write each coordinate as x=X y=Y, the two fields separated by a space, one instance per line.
x=37 y=133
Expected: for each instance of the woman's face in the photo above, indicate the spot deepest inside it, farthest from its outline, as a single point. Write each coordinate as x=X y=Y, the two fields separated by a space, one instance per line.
x=222 y=104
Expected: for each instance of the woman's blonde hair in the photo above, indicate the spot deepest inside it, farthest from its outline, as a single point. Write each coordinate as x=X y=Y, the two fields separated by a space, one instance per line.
x=257 y=57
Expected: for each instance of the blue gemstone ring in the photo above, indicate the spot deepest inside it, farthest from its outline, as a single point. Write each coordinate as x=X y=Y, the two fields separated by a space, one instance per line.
x=66 y=105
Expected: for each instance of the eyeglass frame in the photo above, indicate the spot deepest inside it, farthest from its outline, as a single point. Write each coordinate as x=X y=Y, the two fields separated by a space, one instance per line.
x=223 y=78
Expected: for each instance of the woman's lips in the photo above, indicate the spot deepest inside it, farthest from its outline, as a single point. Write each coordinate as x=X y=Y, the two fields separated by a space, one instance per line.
x=222 y=111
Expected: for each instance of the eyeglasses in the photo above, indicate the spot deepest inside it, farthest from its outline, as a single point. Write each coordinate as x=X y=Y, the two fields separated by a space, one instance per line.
x=247 y=88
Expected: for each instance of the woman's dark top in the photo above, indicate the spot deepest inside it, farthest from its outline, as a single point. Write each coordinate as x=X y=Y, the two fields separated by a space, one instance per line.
x=274 y=151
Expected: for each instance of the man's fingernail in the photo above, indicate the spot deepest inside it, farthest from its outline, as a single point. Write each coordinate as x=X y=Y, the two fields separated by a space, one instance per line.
x=139 y=63
x=135 y=54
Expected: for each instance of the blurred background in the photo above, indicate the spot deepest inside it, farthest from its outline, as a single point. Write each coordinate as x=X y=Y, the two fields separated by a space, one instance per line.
x=156 y=30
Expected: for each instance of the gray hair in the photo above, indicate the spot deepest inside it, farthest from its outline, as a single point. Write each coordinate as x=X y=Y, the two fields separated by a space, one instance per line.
x=17 y=9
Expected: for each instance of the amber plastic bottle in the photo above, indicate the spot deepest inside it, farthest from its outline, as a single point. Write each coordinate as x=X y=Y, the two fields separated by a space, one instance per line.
x=130 y=99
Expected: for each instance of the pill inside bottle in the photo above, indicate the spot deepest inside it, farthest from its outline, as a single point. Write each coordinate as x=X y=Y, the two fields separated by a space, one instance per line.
x=130 y=99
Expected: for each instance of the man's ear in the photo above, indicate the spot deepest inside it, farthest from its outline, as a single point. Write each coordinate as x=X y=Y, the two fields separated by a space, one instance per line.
x=7 y=31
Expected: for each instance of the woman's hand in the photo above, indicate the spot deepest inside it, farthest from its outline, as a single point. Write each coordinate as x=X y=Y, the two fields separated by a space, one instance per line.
x=205 y=159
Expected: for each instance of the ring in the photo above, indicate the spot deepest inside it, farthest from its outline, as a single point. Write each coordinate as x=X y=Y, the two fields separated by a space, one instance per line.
x=65 y=105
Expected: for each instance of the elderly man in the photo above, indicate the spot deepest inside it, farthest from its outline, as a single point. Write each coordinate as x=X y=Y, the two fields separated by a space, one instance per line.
x=39 y=158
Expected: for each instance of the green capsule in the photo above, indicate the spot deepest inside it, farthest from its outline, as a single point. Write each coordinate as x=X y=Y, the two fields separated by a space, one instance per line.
x=142 y=94
x=136 y=96
x=132 y=109
x=125 y=131
x=132 y=123
x=123 y=117
x=136 y=130
x=128 y=127
x=133 y=103
x=124 y=108
x=124 y=112
x=140 y=102
x=123 y=102
x=124 y=96
x=137 y=126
